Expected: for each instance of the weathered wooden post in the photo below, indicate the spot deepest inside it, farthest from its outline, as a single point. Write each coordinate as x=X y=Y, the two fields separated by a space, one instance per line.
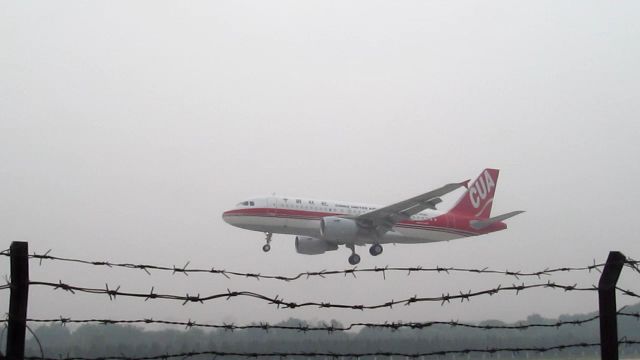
x=19 y=252
x=608 y=309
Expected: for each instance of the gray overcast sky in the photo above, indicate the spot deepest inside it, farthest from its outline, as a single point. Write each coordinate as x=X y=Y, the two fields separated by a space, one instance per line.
x=127 y=128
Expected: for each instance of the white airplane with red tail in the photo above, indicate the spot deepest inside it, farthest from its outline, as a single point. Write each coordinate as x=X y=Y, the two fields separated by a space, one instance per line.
x=323 y=225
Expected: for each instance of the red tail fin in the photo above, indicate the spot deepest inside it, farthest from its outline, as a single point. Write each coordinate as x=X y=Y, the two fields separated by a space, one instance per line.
x=477 y=200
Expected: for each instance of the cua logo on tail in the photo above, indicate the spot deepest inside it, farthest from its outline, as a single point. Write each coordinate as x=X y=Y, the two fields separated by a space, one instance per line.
x=477 y=200
x=481 y=188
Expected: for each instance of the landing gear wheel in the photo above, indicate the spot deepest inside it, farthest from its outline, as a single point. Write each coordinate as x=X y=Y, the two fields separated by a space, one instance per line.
x=354 y=259
x=266 y=246
x=375 y=249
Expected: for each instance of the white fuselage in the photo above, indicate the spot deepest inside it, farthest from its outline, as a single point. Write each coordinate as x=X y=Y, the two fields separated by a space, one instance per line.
x=297 y=216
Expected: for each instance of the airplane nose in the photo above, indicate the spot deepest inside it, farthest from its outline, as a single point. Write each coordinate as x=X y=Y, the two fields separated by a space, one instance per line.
x=227 y=217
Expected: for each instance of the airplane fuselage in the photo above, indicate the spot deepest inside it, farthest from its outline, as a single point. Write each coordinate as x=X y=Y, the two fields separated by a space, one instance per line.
x=321 y=225
x=297 y=216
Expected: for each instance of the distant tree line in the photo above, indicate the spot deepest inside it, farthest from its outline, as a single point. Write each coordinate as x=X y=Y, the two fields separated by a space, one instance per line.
x=105 y=340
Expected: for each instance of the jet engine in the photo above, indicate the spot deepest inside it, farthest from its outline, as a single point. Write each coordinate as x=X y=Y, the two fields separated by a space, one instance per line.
x=312 y=246
x=335 y=229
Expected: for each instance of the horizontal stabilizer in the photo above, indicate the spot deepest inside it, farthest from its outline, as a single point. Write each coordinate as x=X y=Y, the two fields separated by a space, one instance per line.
x=481 y=224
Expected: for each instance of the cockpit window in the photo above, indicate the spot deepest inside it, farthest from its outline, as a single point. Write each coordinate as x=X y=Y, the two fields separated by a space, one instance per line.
x=246 y=203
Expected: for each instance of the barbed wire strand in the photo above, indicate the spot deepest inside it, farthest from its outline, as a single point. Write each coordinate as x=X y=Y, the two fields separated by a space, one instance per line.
x=351 y=355
x=323 y=328
x=112 y=293
x=322 y=273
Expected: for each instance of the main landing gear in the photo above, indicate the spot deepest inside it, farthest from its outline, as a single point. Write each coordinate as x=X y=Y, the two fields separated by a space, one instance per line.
x=266 y=246
x=375 y=249
x=354 y=259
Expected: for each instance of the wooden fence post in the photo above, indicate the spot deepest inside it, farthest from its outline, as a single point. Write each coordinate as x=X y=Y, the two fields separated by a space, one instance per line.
x=608 y=309
x=19 y=253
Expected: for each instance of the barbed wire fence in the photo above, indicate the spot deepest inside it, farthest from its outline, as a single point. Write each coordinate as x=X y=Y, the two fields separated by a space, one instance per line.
x=19 y=284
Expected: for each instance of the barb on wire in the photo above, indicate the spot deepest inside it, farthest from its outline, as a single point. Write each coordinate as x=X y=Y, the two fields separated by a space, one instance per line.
x=351 y=355
x=633 y=264
x=280 y=302
x=628 y=292
x=147 y=268
x=324 y=328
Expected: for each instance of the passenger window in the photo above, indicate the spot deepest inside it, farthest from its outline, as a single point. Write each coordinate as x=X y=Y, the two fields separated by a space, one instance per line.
x=251 y=203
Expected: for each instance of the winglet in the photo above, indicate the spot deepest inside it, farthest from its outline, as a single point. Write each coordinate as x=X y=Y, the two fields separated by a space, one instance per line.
x=465 y=183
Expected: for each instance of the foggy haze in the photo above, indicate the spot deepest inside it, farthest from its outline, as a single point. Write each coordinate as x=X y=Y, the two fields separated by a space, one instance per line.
x=127 y=128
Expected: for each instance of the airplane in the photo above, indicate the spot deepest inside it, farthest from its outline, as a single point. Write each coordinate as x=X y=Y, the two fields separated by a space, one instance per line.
x=323 y=225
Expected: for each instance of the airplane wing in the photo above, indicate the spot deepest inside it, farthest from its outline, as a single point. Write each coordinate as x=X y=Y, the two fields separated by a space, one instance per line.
x=383 y=219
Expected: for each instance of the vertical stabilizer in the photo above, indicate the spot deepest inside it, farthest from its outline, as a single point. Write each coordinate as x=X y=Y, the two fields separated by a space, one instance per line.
x=477 y=200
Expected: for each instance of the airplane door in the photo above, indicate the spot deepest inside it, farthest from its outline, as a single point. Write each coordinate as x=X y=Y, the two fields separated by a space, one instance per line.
x=273 y=204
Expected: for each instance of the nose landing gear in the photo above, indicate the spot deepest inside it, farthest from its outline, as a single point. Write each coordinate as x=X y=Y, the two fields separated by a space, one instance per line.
x=266 y=246
x=354 y=259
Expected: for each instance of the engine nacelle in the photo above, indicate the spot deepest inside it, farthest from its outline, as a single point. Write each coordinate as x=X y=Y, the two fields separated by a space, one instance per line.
x=312 y=246
x=337 y=229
